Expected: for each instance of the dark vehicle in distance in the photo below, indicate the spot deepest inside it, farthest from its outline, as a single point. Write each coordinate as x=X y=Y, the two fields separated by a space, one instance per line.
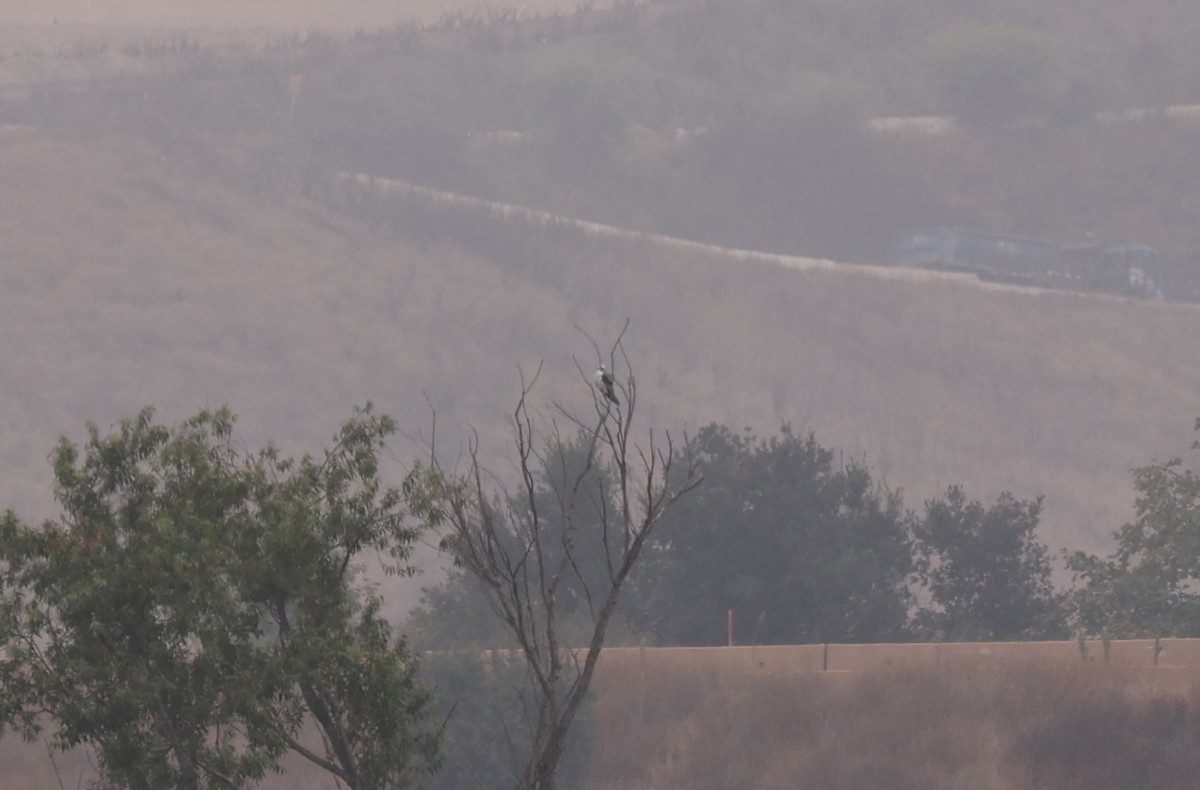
x=1133 y=270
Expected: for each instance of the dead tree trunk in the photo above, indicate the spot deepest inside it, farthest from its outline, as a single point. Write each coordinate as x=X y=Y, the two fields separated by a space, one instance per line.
x=571 y=531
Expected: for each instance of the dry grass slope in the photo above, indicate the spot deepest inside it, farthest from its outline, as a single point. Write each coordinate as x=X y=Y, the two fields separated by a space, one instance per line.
x=161 y=276
x=1007 y=716
x=928 y=727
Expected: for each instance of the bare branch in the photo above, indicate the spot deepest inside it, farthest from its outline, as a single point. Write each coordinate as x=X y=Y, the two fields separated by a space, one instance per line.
x=530 y=547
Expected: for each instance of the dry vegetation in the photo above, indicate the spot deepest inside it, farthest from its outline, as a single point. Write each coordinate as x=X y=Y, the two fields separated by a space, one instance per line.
x=162 y=277
x=1035 y=727
x=974 y=381
x=32 y=766
x=929 y=728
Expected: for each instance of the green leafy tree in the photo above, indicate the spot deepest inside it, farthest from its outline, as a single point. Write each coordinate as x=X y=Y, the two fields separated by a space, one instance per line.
x=987 y=576
x=195 y=606
x=1147 y=587
x=800 y=548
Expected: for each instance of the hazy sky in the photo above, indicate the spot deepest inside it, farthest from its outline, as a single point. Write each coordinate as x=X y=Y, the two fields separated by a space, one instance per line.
x=346 y=14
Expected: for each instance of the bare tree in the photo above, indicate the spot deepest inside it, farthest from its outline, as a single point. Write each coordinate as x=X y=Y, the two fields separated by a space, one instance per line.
x=589 y=497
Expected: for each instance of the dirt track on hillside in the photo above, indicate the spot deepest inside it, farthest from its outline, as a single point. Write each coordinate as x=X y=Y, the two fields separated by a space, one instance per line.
x=509 y=212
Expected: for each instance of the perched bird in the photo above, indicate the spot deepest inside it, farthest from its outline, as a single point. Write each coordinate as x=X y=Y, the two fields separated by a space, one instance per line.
x=604 y=383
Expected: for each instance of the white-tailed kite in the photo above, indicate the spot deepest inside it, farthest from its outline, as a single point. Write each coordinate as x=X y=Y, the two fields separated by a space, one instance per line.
x=604 y=383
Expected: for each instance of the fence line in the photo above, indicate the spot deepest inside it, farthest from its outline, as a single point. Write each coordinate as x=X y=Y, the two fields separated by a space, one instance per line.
x=1181 y=654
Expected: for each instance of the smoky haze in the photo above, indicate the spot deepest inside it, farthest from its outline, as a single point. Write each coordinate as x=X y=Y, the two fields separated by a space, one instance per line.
x=177 y=234
x=273 y=14
x=295 y=207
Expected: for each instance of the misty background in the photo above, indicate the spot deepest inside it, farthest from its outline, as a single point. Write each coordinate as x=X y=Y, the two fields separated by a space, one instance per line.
x=176 y=232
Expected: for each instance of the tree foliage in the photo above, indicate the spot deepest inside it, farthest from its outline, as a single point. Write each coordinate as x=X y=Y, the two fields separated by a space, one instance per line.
x=988 y=577
x=800 y=548
x=196 y=605
x=1147 y=587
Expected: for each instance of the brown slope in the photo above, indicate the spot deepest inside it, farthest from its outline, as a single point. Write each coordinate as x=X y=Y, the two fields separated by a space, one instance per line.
x=935 y=380
x=139 y=275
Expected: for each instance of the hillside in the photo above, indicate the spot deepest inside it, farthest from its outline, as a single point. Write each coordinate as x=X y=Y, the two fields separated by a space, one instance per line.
x=973 y=379
x=740 y=123
x=163 y=277
x=173 y=239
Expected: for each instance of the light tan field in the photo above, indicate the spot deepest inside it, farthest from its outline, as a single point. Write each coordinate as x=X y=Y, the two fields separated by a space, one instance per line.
x=1003 y=717
x=150 y=273
x=993 y=716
